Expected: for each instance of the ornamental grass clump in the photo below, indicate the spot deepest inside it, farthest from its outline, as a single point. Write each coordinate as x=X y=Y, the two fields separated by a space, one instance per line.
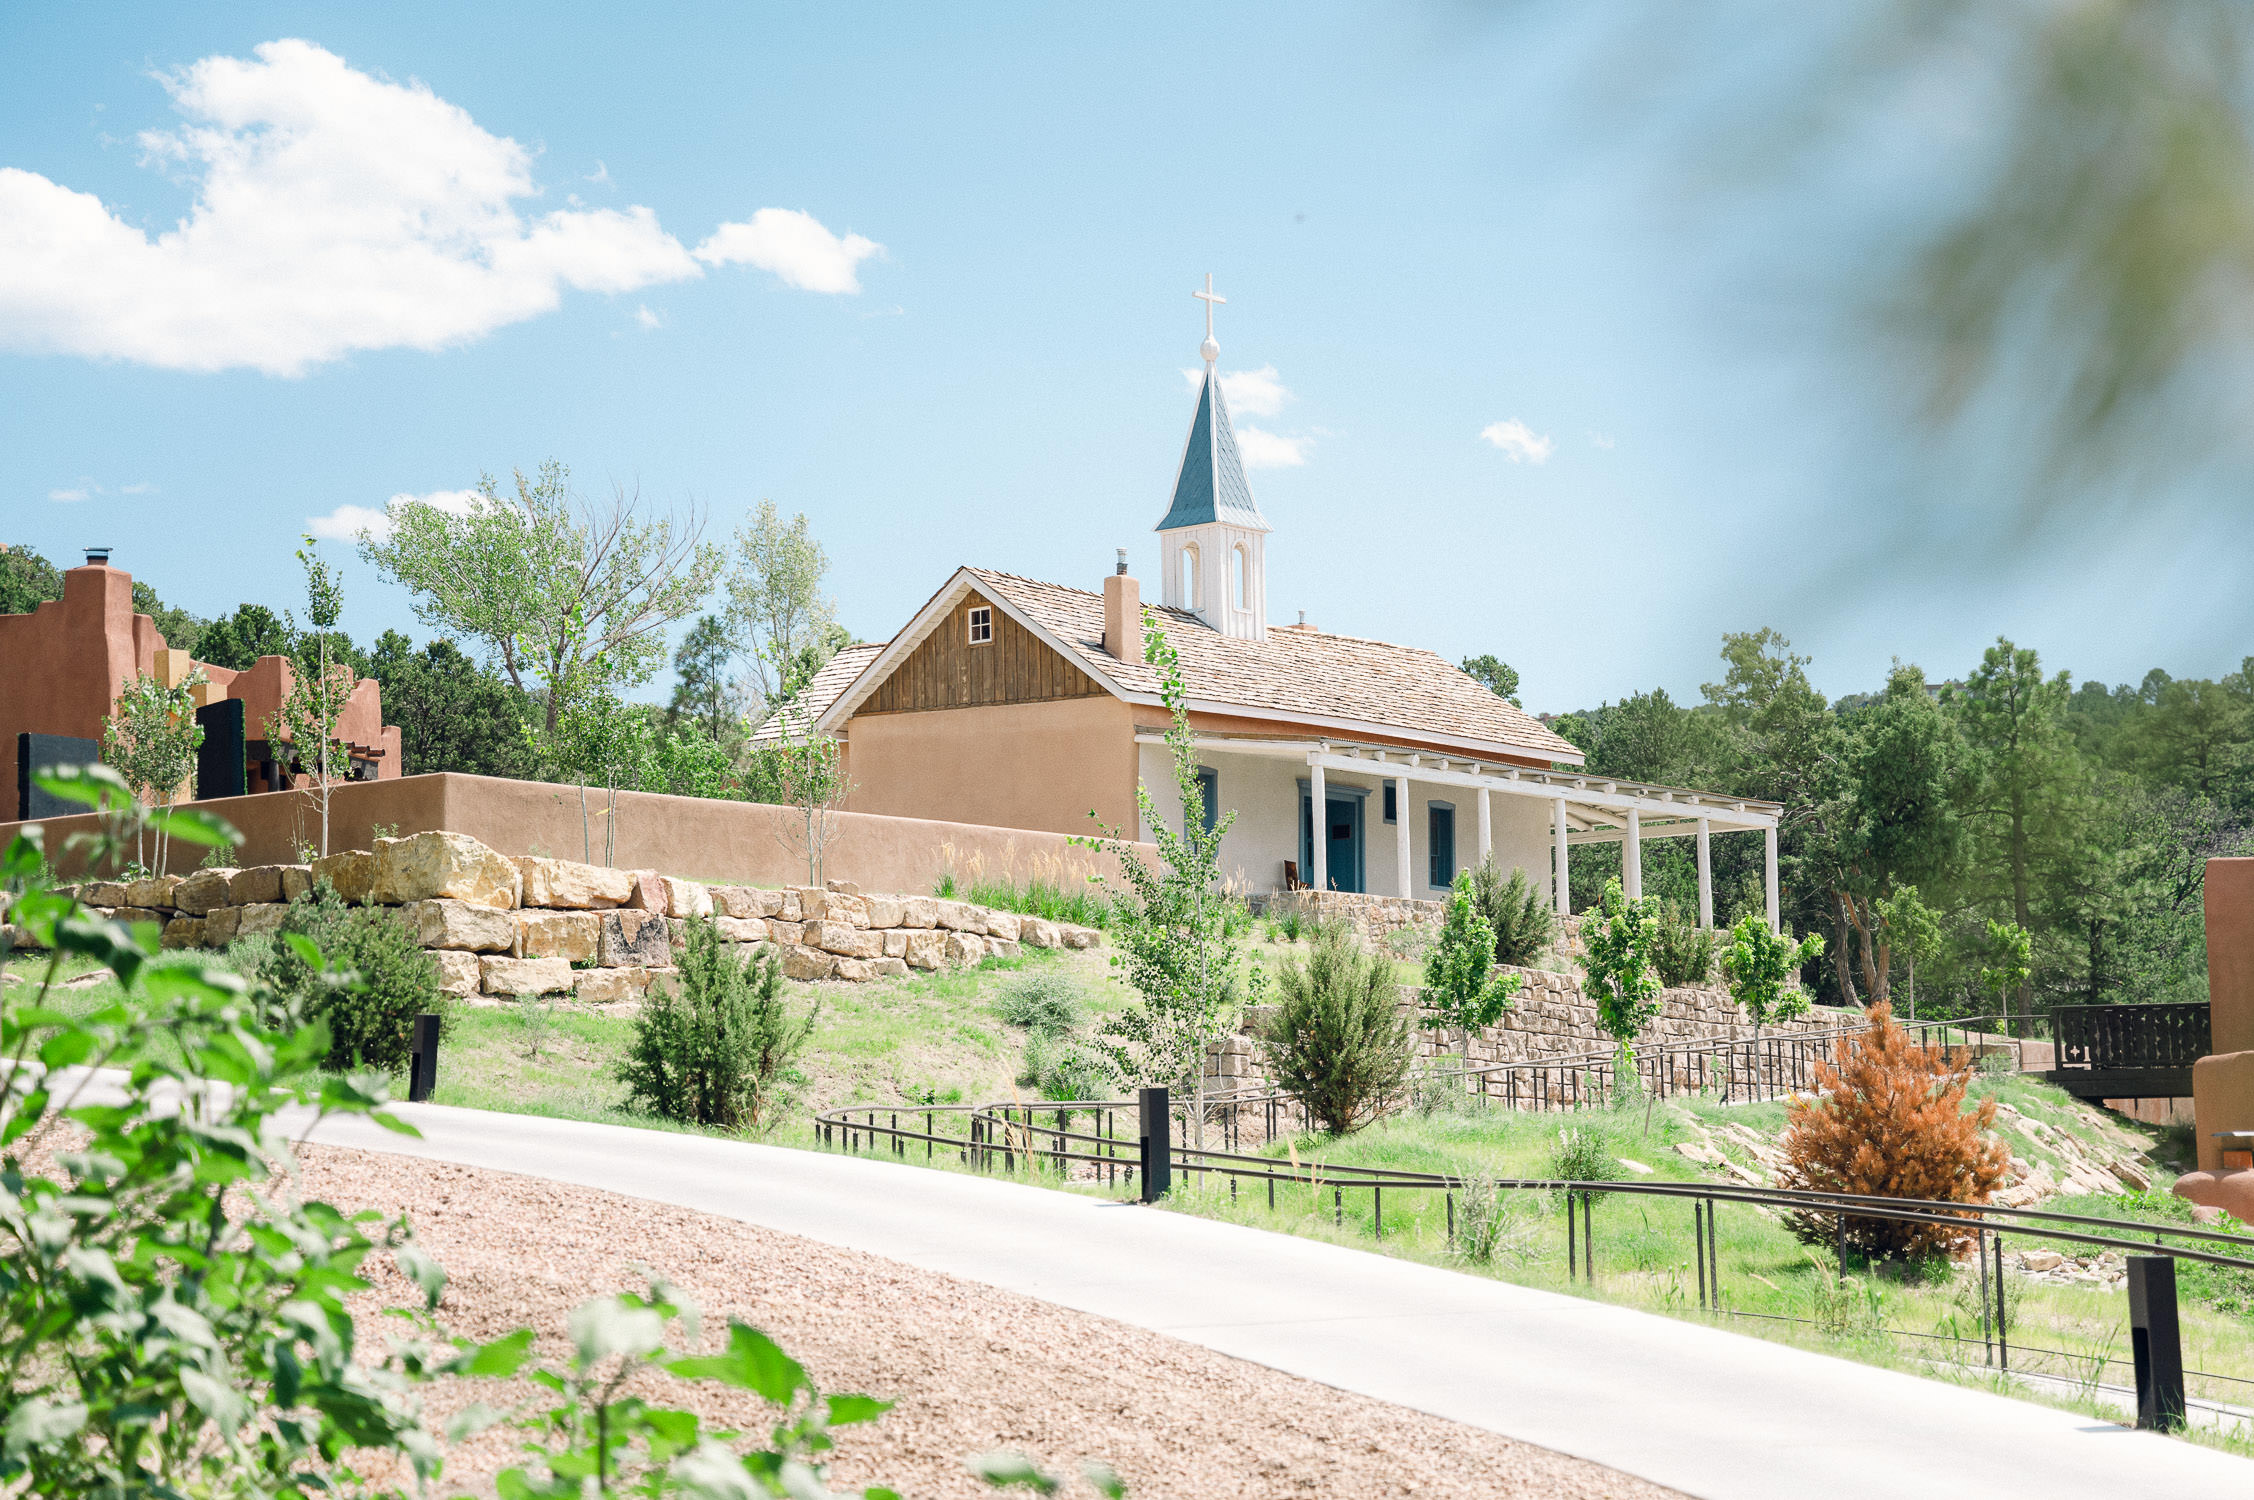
x=714 y=1048
x=1338 y=1042
x=1890 y=1121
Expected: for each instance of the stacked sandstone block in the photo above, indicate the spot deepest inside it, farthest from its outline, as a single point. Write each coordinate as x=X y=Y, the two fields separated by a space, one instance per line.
x=505 y=926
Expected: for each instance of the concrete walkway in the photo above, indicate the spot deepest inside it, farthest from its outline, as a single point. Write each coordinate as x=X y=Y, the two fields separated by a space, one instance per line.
x=1711 y=1413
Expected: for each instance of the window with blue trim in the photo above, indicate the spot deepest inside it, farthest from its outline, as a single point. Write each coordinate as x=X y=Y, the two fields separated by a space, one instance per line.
x=1209 y=789
x=1440 y=839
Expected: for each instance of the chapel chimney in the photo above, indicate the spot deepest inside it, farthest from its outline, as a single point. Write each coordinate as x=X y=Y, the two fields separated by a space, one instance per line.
x=1123 y=613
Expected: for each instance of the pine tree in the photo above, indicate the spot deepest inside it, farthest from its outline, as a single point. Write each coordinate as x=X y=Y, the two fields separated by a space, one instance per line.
x=1889 y=1120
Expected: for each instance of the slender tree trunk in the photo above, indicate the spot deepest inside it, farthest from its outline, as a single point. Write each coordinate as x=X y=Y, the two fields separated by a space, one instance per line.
x=1839 y=952
x=2019 y=899
x=328 y=721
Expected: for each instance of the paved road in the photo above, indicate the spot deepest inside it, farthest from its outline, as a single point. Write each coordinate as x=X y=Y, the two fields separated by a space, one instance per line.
x=1711 y=1413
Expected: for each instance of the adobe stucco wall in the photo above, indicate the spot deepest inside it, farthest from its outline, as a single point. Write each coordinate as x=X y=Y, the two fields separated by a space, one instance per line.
x=62 y=665
x=2230 y=955
x=1015 y=765
x=736 y=842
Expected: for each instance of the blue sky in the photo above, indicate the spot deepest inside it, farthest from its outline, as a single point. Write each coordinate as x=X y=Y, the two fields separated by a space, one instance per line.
x=1426 y=229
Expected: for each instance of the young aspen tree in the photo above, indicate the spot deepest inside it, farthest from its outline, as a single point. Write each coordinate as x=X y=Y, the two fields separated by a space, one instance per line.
x=1461 y=987
x=1758 y=962
x=319 y=687
x=1617 y=941
x=150 y=737
x=1174 y=939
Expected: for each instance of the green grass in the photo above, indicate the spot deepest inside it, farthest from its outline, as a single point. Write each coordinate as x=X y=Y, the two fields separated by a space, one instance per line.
x=1081 y=905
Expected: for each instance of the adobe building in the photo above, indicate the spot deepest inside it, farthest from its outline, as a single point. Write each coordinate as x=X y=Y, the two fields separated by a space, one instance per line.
x=63 y=665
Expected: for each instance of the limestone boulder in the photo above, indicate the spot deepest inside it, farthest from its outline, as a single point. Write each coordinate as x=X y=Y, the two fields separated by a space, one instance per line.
x=524 y=976
x=965 y=948
x=687 y=898
x=780 y=931
x=105 y=893
x=842 y=887
x=297 y=880
x=858 y=970
x=351 y=874
x=221 y=925
x=918 y=911
x=458 y=973
x=739 y=901
x=883 y=912
x=1037 y=932
x=1004 y=947
x=896 y=943
x=805 y=963
x=845 y=940
x=1003 y=925
x=610 y=986
x=573 y=936
x=927 y=949
x=960 y=916
x=153 y=892
x=645 y=891
x=741 y=929
x=446 y=923
x=255 y=886
x=258 y=919
x=787 y=906
x=184 y=932
x=428 y=866
x=200 y=892
x=628 y=938
x=888 y=968
x=130 y=915
x=1078 y=937
x=569 y=885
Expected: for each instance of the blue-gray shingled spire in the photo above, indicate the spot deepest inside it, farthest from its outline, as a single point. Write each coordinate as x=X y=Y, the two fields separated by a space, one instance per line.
x=1212 y=486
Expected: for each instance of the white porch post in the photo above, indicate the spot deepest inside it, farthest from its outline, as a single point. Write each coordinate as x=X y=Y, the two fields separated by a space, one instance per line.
x=1401 y=833
x=1486 y=827
x=1769 y=873
x=1564 y=891
x=1318 y=827
x=1632 y=858
x=1705 y=879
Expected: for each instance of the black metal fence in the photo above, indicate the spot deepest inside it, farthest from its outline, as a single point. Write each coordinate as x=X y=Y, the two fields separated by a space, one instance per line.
x=1100 y=1144
x=2113 y=1037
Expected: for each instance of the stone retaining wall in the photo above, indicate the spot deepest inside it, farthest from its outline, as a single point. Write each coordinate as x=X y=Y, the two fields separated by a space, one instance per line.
x=531 y=926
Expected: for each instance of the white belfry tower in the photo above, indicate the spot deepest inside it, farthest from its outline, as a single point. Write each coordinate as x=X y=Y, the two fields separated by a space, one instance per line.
x=1213 y=541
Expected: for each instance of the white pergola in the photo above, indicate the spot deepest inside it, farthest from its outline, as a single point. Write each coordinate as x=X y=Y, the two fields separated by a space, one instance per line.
x=1585 y=808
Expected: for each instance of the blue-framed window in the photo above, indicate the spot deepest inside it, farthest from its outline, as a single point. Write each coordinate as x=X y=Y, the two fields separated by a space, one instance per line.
x=1440 y=840
x=1392 y=814
x=1209 y=789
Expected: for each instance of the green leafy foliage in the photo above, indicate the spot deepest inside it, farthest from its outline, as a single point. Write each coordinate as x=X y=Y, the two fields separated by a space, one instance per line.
x=1759 y=962
x=1338 y=1042
x=1682 y=952
x=1462 y=990
x=1585 y=1152
x=358 y=972
x=1059 y=1064
x=452 y=713
x=238 y=640
x=1617 y=941
x=1046 y=1002
x=713 y=1047
x=1518 y=911
x=27 y=580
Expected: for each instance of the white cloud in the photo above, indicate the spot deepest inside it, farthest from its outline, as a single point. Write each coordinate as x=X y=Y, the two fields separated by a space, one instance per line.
x=1250 y=393
x=137 y=489
x=1268 y=450
x=346 y=522
x=334 y=211
x=601 y=174
x=1599 y=440
x=646 y=318
x=69 y=496
x=1520 y=441
x=794 y=246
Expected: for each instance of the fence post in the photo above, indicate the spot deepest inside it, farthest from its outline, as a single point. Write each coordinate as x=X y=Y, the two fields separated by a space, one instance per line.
x=422 y=1061
x=1157 y=1144
x=2156 y=1343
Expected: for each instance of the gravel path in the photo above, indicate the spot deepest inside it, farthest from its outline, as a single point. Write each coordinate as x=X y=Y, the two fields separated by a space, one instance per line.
x=971 y=1367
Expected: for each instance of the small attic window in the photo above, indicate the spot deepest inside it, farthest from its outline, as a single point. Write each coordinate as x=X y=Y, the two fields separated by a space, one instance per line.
x=981 y=624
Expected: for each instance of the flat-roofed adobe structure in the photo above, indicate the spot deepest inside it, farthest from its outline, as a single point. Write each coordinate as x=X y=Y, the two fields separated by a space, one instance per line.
x=1351 y=764
x=63 y=665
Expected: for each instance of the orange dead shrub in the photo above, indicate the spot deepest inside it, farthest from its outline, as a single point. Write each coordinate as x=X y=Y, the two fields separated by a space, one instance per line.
x=1891 y=1123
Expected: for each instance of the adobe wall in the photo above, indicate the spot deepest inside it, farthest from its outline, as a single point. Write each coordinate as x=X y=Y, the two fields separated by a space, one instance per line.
x=2230 y=954
x=1014 y=765
x=691 y=837
x=63 y=665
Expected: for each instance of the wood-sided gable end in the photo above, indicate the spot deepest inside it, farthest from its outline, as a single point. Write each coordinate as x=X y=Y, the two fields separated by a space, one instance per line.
x=950 y=669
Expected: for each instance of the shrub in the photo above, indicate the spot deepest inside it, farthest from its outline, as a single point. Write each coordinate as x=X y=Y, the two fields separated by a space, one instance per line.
x=1891 y=1122
x=1515 y=908
x=1616 y=941
x=1338 y=1042
x=1682 y=952
x=1059 y=1067
x=371 y=1018
x=1584 y=1153
x=1759 y=962
x=1046 y=1002
x=711 y=1050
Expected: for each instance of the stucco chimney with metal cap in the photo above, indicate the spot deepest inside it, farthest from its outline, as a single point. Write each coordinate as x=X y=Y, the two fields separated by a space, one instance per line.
x=1123 y=613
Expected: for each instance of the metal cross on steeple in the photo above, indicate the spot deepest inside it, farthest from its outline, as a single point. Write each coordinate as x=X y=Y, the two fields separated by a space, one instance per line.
x=1209 y=349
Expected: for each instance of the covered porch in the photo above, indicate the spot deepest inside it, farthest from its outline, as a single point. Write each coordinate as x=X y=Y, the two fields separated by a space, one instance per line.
x=1401 y=822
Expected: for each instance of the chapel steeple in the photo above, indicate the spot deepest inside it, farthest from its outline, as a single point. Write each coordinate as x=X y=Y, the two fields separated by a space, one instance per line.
x=1212 y=541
